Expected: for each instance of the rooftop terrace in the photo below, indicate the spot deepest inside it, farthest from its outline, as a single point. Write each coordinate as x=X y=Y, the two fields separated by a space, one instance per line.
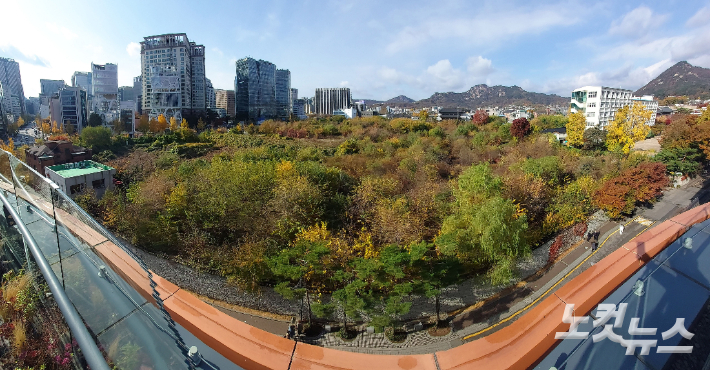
x=82 y=168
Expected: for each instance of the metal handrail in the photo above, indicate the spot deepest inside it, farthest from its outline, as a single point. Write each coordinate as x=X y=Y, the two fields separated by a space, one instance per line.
x=88 y=347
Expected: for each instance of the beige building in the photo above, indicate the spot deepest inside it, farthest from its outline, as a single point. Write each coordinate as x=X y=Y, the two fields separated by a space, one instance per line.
x=225 y=99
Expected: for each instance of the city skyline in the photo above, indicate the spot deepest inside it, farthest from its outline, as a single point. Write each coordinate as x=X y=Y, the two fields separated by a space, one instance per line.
x=378 y=51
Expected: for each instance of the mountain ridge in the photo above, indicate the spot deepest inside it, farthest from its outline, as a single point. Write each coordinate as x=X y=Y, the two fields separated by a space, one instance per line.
x=680 y=79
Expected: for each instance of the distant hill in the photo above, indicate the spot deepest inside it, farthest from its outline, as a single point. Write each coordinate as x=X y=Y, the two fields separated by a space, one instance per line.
x=400 y=100
x=680 y=79
x=480 y=96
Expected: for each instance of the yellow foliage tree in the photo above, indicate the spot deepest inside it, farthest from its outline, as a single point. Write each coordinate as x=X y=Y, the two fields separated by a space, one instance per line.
x=55 y=128
x=201 y=124
x=629 y=126
x=143 y=124
x=20 y=122
x=46 y=128
x=173 y=124
x=423 y=115
x=184 y=125
x=162 y=123
x=575 y=129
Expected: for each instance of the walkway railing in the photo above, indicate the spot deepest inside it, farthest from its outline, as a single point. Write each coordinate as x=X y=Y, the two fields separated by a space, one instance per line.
x=110 y=320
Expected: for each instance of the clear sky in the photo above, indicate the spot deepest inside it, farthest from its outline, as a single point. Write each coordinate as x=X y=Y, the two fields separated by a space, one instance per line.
x=380 y=49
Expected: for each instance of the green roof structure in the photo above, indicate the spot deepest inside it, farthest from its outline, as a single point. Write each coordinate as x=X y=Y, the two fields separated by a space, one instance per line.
x=82 y=168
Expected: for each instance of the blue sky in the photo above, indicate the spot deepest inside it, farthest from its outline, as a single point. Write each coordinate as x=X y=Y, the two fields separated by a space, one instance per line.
x=380 y=49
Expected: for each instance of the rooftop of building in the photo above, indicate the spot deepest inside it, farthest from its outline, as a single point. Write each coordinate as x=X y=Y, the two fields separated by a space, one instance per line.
x=52 y=147
x=79 y=168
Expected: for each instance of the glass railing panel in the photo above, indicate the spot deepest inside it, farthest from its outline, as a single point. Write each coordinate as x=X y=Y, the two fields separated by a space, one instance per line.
x=99 y=301
x=137 y=343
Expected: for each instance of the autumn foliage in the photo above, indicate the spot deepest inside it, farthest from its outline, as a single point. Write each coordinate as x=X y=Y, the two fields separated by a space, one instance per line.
x=619 y=195
x=480 y=117
x=520 y=128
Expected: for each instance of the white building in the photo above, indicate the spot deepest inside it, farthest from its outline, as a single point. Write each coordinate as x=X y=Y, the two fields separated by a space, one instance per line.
x=650 y=104
x=600 y=104
x=74 y=178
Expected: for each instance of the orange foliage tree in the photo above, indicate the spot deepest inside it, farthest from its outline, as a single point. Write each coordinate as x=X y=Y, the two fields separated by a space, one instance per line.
x=620 y=194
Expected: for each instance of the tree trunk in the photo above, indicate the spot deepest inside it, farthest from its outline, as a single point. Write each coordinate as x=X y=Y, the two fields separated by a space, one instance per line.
x=438 y=320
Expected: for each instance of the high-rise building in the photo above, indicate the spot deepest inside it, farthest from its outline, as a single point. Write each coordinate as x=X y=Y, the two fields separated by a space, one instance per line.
x=83 y=80
x=328 y=100
x=283 y=94
x=210 y=98
x=3 y=113
x=69 y=107
x=138 y=89
x=600 y=104
x=173 y=75
x=12 y=86
x=104 y=90
x=32 y=105
x=294 y=94
x=255 y=90
x=224 y=99
x=50 y=87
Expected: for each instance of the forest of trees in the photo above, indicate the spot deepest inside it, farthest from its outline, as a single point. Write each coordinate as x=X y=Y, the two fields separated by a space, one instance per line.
x=371 y=210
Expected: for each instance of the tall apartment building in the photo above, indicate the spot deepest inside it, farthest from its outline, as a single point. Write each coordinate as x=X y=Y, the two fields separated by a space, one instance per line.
x=173 y=75
x=284 y=103
x=82 y=79
x=294 y=94
x=224 y=99
x=210 y=98
x=328 y=100
x=255 y=90
x=13 y=93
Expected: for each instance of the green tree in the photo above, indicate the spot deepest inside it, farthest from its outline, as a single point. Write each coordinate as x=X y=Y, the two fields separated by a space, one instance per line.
x=97 y=138
x=594 y=138
x=95 y=120
x=434 y=271
x=684 y=160
x=485 y=229
x=302 y=268
x=575 y=129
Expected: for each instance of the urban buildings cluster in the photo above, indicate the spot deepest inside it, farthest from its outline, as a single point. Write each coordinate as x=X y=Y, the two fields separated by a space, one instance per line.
x=173 y=83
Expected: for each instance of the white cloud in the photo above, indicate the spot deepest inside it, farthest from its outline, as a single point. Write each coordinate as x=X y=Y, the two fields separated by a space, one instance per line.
x=484 y=28
x=479 y=66
x=701 y=18
x=636 y=23
x=133 y=49
x=216 y=50
x=344 y=83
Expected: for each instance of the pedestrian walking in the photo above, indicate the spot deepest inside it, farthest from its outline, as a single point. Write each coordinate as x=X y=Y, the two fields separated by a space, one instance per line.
x=621 y=229
x=594 y=246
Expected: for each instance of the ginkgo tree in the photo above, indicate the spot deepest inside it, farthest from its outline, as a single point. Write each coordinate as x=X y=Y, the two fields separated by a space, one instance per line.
x=575 y=129
x=629 y=126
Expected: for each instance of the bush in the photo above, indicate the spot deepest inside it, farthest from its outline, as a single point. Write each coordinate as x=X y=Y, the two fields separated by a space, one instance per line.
x=520 y=128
